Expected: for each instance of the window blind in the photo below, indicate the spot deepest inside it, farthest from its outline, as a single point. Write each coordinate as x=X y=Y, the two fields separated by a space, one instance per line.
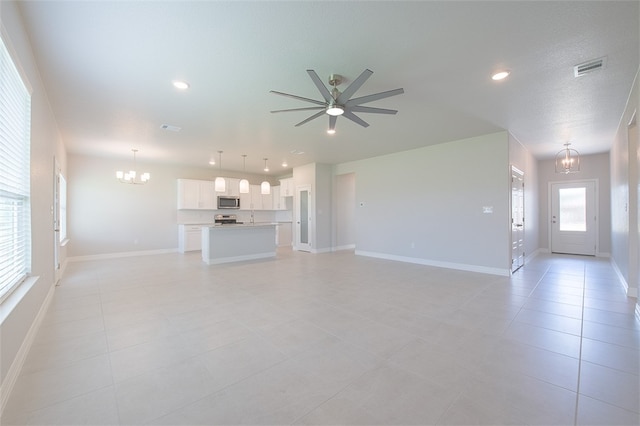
x=15 y=137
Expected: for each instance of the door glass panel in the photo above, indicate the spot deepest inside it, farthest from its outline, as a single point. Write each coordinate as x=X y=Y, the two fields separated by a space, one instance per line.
x=573 y=209
x=304 y=217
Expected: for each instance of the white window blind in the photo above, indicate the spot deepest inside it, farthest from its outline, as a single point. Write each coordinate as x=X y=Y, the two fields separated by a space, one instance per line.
x=15 y=138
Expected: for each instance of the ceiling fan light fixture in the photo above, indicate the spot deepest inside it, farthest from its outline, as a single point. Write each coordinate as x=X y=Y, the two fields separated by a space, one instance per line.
x=331 y=131
x=335 y=110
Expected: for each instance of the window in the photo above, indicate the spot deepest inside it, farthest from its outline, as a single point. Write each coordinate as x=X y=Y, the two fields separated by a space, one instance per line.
x=15 y=138
x=573 y=209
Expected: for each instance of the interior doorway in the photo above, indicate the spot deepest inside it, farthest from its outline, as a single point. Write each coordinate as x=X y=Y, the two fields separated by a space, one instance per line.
x=573 y=217
x=517 y=219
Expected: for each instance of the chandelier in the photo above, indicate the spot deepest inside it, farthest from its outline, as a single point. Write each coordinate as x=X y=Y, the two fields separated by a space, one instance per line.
x=567 y=160
x=132 y=176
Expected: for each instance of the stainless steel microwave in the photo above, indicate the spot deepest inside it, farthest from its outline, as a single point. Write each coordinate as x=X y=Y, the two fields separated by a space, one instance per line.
x=227 y=202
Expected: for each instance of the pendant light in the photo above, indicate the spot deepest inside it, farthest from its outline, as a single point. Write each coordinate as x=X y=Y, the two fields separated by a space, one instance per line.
x=220 y=184
x=244 y=184
x=130 y=176
x=265 y=187
x=567 y=160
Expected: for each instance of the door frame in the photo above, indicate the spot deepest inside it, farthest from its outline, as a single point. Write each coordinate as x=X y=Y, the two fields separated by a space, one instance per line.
x=596 y=207
x=513 y=169
x=308 y=247
x=57 y=245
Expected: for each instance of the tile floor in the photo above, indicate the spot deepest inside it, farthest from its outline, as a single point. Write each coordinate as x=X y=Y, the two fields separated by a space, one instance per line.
x=332 y=339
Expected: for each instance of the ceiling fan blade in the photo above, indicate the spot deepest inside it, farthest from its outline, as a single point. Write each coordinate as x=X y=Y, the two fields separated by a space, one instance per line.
x=358 y=108
x=351 y=116
x=314 y=116
x=332 y=122
x=299 y=109
x=374 y=97
x=320 y=85
x=354 y=86
x=313 y=101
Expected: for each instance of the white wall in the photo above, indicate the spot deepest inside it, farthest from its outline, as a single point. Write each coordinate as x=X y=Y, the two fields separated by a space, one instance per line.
x=19 y=313
x=108 y=217
x=520 y=157
x=591 y=167
x=426 y=205
x=345 y=211
x=622 y=164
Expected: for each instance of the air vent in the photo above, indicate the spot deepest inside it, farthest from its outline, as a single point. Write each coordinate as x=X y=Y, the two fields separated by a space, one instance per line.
x=588 y=67
x=170 y=127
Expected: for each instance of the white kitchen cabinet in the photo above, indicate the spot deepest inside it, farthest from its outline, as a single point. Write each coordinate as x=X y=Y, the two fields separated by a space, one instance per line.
x=233 y=187
x=267 y=200
x=245 y=201
x=196 y=194
x=275 y=197
x=286 y=187
x=189 y=238
x=256 y=197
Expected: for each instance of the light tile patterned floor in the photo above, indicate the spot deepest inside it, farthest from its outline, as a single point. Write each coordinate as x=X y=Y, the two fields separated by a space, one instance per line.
x=332 y=339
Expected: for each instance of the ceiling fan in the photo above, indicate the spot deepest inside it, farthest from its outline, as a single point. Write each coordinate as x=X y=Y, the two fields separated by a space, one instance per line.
x=337 y=103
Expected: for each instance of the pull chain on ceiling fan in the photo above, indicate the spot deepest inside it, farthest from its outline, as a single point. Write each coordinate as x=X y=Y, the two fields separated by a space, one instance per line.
x=340 y=103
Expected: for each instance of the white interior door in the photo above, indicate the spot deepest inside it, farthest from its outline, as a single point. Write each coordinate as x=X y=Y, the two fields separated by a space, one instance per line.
x=517 y=219
x=303 y=218
x=573 y=218
x=56 y=221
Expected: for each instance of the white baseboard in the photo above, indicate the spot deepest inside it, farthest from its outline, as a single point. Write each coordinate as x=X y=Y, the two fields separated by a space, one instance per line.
x=121 y=254
x=603 y=254
x=21 y=356
x=230 y=259
x=531 y=256
x=428 y=262
x=631 y=292
x=345 y=247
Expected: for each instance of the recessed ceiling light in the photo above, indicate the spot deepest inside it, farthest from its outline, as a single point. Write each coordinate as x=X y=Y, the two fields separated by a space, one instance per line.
x=284 y=164
x=212 y=162
x=500 y=75
x=179 y=84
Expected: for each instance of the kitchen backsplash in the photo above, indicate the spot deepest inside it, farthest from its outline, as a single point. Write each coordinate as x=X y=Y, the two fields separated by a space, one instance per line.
x=186 y=217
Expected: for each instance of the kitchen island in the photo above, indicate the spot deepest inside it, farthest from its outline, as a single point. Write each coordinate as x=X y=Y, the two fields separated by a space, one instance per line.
x=234 y=243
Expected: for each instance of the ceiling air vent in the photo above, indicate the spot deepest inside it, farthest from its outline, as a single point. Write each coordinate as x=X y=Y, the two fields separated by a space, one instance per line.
x=170 y=127
x=587 y=67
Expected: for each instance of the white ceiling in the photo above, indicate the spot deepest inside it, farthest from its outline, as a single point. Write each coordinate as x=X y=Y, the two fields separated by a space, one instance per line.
x=108 y=68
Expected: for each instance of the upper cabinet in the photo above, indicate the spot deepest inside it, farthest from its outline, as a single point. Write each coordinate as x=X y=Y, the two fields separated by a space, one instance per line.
x=286 y=187
x=196 y=194
x=233 y=187
x=201 y=195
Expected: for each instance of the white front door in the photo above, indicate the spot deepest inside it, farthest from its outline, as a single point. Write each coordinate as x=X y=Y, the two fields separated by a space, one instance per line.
x=303 y=218
x=573 y=218
x=517 y=219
